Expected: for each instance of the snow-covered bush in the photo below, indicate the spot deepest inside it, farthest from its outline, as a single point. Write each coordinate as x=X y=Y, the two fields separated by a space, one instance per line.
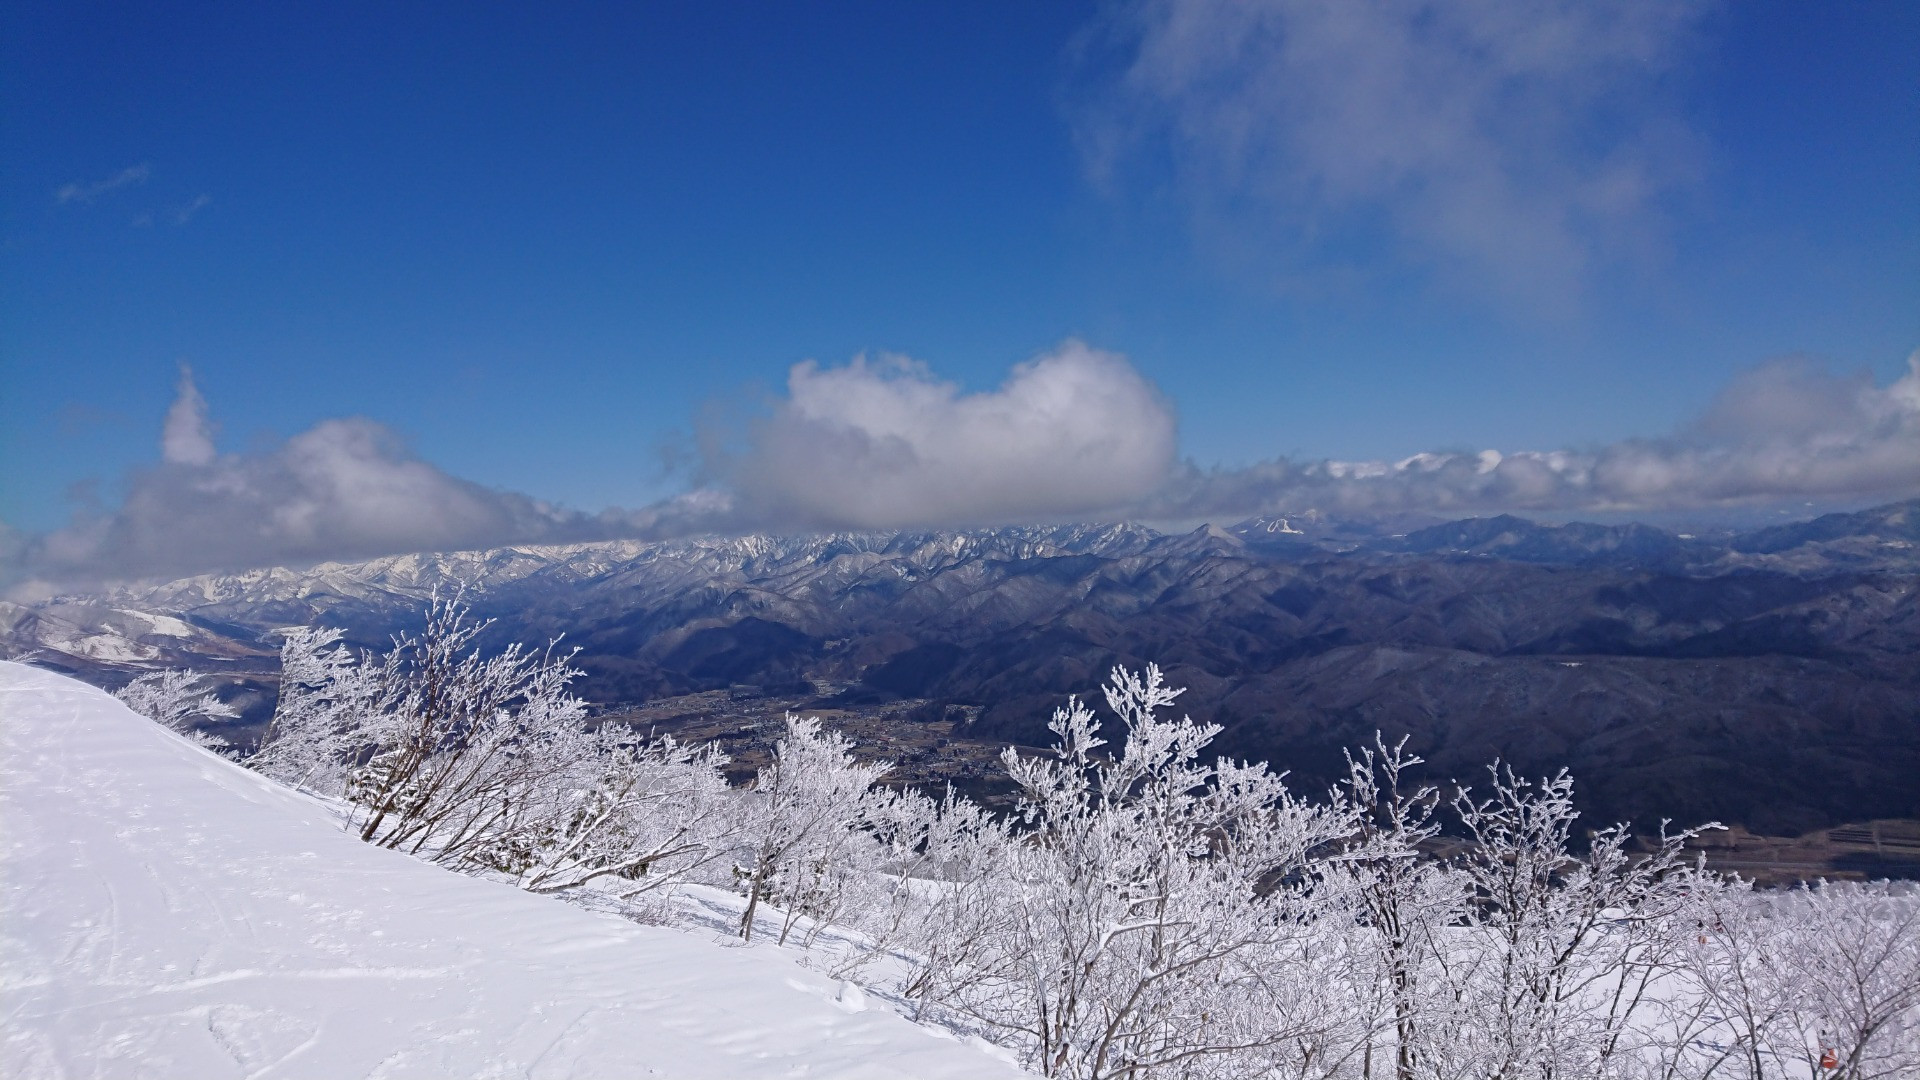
x=1145 y=921
x=1403 y=904
x=460 y=741
x=175 y=699
x=645 y=812
x=1566 y=945
x=486 y=761
x=805 y=829
x=1821 y=981
x=329 y=697
x=945 y=905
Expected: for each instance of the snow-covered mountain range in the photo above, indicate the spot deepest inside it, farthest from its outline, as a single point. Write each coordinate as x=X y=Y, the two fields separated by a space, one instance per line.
x=1770 y=678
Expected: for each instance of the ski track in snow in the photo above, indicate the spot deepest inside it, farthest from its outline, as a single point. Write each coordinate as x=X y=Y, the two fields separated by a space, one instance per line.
x=165 y=913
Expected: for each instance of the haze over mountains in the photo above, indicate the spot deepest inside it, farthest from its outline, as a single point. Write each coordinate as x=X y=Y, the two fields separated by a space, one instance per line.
x=1767 y=678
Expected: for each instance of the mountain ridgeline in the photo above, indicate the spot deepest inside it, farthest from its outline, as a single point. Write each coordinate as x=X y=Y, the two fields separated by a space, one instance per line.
x=1769 y=678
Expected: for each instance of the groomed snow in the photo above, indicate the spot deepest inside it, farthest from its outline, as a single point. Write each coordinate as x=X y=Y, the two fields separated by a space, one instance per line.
x=169 y=914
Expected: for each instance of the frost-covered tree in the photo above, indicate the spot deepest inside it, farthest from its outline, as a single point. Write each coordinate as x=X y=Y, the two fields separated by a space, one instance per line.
x=805 y=827
x=645 y=812
x=461 y=739
x=1853 y=953
x=1147 y=902
x=1402 y=900
x=1821 y=981
x=438 y=747
x=1565 y=944
x=948 y=900
x=174 y=699
x=330 y=699
x=487 y=761
x=1530 y=953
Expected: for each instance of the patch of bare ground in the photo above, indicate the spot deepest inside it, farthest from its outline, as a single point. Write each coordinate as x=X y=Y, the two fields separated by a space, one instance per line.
x=1857 y=851
x=928 y=741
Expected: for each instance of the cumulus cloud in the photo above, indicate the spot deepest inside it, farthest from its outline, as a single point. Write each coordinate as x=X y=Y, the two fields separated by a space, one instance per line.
x=884 y=443
x=87 y=192
x=1787 y=430
x=187 y=436
x=1507 y=143
x=343 y=489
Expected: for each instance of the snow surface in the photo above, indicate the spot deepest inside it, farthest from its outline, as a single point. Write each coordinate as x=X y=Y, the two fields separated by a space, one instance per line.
x=168 y=913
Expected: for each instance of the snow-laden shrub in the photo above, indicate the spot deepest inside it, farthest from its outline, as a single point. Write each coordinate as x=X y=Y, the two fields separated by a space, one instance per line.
x=1154 y=913
x=1821 y=981
x=804 y=829
x=328 y=698
x=175 y=699
x=487 y=761
x=642 y=813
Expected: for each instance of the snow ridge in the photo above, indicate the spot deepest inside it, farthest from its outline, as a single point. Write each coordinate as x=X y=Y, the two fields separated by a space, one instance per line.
x=169 y=914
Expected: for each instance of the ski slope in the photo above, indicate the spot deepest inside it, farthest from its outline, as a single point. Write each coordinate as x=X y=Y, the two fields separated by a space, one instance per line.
x=166 y=913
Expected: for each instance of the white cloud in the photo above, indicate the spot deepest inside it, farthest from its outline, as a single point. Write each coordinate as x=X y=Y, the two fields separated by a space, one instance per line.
x=187 y=436
x=87 y=192
x=186 y=212
x=343 y=489
x=1784 y=431
x=879 y=444
x=874 y=444
x=1508 y=143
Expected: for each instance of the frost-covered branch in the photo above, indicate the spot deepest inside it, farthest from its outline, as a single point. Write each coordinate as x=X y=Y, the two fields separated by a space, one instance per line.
x=175 y=699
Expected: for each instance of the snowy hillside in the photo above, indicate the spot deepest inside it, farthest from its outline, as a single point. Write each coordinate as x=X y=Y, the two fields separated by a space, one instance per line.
x=169 y=914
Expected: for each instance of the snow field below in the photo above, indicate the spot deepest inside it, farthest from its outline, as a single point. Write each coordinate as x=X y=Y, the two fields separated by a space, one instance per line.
x=166 y=913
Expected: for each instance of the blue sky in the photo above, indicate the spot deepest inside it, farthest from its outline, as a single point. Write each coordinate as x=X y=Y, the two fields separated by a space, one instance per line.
x=539 y=244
